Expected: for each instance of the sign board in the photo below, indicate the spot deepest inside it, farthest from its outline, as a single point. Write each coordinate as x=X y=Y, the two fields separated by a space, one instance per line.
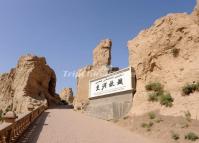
x=112 y=83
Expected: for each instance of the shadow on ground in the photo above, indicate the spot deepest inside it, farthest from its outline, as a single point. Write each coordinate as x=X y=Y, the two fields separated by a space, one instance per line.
x=32 y=133
x=62 y=107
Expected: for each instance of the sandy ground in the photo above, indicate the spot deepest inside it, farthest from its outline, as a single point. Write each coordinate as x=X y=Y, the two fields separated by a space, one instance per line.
x=163 y=127
x=66 y=126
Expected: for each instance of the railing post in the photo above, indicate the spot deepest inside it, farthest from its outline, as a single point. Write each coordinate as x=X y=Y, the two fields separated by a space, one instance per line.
x=12 y=135
x=10 y=117
x=4 y=139
x=9 y=133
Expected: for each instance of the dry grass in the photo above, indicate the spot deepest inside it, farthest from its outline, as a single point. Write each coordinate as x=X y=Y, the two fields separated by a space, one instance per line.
x=166 y=128
x=157 y=93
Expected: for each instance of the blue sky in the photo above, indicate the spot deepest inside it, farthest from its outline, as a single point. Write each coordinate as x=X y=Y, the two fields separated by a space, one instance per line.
x=66 y=31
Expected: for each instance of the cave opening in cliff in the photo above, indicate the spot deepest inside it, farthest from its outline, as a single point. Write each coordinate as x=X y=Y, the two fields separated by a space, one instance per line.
x=51 y=86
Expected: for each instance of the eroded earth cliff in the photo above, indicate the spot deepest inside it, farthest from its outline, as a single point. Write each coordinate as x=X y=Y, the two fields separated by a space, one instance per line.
x=67 y=95
x=32 y=82
x=167 y=52
x=101 y=66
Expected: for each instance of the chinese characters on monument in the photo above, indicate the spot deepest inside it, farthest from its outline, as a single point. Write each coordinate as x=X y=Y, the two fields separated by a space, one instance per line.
x=112 y=83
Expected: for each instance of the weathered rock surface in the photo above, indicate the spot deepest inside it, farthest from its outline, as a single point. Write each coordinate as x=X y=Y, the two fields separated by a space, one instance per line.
x=100 y=67
x=67 y=95
x=151 y=54
x=102 y=53
x=31 y=82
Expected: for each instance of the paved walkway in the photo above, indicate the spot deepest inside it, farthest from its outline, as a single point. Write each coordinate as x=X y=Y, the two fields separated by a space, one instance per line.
x=66 y=126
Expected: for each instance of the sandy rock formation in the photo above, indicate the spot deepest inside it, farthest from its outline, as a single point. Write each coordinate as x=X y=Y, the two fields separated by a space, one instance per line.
x=100 y=67
x=102 y=53
x=67 y=95
x=31 y=82
x=195 y=13
x=151 y=53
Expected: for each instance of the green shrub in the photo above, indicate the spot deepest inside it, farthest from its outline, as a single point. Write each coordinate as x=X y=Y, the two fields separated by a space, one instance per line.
x=191 y=136
x=187 y=89
x=190 y=88
x=166 y=100
x=159 y=94
x=156 y=86
x=147 y=126
x=153 y=97
x=159 y=120
x=175 y=136
x=144 y=125
x=151 y=115
x=197 y=86
x=175 y=52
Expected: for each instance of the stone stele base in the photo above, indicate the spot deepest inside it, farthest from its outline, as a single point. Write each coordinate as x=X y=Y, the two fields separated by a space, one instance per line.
x=110 y=107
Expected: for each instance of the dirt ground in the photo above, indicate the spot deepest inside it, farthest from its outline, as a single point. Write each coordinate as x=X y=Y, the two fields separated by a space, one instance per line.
x=165 y=128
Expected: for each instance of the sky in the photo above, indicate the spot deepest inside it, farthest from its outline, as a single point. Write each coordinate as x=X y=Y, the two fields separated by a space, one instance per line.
x=67 y=31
